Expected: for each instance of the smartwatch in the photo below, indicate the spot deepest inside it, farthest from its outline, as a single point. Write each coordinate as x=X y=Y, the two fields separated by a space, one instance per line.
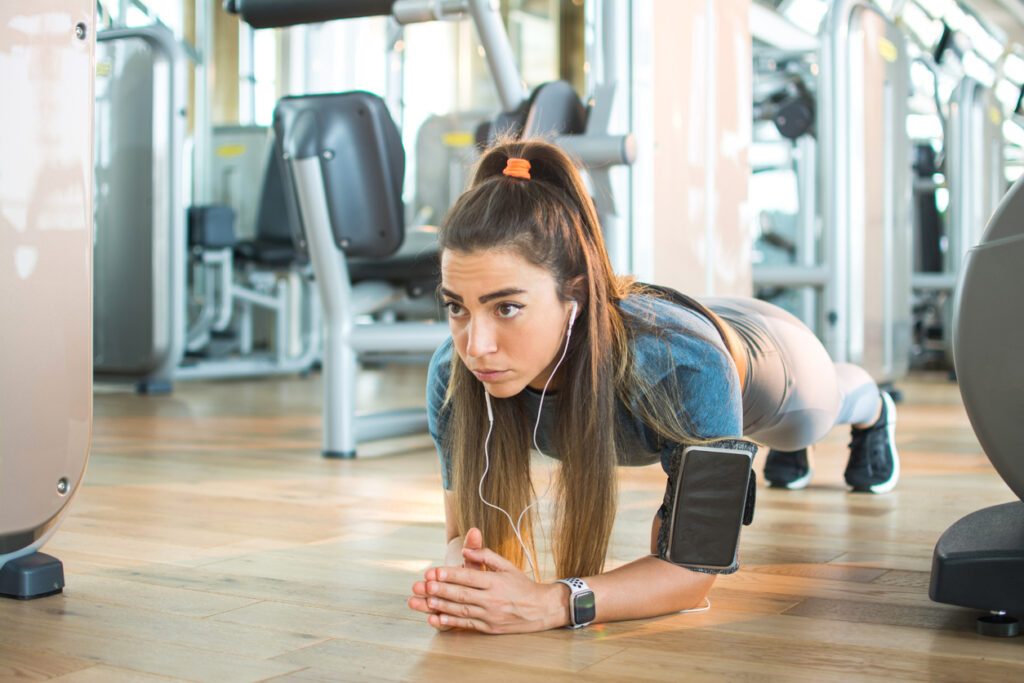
x=582 y=608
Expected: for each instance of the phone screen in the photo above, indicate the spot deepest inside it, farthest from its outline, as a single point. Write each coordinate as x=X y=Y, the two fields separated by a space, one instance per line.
x=711 y=493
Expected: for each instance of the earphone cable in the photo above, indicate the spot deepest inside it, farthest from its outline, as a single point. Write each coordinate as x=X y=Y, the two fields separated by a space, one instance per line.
x=536 y=424
x=517 y=526
x=480 y=491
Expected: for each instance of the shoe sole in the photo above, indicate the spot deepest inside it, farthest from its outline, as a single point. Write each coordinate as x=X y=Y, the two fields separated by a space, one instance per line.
x=890 y=428
x=794 y=485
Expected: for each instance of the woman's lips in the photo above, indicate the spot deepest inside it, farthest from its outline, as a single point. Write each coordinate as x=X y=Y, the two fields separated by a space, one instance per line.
x=489 y=375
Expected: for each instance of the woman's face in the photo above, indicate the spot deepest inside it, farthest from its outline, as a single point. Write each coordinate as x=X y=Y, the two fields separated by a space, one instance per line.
x=507 y=321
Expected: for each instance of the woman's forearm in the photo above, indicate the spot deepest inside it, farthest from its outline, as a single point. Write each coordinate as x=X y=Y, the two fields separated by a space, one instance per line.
x=505 y=600
x=648 y=587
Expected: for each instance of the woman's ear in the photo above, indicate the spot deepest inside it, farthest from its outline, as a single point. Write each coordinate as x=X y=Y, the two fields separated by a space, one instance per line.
x=576 y=290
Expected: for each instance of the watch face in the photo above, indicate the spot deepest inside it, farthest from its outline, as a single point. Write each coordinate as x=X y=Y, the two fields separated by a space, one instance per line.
x=584 y=608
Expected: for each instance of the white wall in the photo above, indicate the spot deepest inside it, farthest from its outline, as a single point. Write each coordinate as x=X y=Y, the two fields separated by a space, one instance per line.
x=692 y=116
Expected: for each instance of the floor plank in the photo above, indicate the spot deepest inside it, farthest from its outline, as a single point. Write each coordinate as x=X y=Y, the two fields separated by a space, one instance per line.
x=25 y=664
x=110 y=674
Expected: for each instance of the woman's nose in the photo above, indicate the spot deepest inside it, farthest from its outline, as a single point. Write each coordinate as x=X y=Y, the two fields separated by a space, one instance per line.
x=482 y=339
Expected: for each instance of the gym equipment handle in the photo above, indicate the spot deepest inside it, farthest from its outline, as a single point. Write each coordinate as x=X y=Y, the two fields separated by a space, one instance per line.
x=276 y=13
x=600 y=150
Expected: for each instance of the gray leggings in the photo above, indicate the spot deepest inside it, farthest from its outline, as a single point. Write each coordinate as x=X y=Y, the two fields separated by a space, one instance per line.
x=793 y=393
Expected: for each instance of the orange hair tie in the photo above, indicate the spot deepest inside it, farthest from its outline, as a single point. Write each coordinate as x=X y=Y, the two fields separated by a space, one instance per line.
x=517 y=168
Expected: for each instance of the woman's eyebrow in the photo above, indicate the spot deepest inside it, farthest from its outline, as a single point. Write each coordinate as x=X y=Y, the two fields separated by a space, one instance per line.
x=508 y=291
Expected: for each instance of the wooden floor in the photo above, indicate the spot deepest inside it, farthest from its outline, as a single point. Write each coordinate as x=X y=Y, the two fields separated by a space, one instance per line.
x=212 y=543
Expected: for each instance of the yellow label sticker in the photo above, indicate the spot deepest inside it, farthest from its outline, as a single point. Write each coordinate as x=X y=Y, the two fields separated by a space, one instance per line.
x=231 y=150
x=458 y=139
x=887 y=50
x=103 y=69
x=995 y=115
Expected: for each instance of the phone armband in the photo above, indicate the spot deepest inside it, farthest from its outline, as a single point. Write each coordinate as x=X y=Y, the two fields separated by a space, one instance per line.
x=710 y=495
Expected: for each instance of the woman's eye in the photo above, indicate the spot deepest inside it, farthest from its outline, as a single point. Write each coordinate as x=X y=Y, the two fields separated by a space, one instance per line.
x=454 y=309
x=508 y=310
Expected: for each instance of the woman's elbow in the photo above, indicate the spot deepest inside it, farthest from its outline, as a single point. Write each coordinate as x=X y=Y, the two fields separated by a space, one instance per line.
x=693 y=591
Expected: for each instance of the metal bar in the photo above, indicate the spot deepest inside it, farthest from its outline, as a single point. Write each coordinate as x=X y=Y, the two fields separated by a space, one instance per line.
x=224 y=306
x=408 y=337
x=389 y=424
x=339 y=360
x=281 y=310
x=939 y=282
x=394 y=88
x=256 y=365
x=833 y=123
x=255 y=298
x=595 y=151
x=245 y=329
x=203 y=134
x=278 y=13
x=791 y=276
x=494 y=38
x=807 y=252
x=246 y=74
x=198 y=334
x=422 y=11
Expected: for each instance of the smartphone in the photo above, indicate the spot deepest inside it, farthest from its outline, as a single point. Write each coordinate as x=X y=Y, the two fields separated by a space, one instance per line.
x=709 y=506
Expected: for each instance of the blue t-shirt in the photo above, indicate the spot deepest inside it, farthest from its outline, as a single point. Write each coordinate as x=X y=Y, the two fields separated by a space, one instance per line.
x=675 y=345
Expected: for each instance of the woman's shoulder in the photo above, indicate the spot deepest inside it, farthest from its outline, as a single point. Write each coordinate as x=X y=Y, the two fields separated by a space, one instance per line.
x=667 y=339
x=680 y=353
x=657 y=324
x=440 y=369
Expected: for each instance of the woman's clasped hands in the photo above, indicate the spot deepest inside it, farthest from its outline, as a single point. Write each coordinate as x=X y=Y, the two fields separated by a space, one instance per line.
x=482 y=591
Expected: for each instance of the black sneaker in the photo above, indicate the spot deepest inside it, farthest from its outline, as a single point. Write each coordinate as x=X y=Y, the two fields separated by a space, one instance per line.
x=874 y=465
x=787 y=469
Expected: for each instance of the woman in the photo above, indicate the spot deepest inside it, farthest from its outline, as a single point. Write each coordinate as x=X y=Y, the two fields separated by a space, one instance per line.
x=630 y=373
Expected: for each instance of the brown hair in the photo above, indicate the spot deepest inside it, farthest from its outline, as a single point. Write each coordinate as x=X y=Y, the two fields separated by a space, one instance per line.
x=550 y=221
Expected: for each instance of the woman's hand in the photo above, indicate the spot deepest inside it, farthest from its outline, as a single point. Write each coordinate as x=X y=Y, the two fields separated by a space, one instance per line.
x=474 y=540
x=498 y=599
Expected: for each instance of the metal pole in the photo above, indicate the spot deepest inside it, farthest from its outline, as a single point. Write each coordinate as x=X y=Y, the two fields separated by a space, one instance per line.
x=807 y=252
x=494 y=38
x=202 y=133
x=395 y=78
x=246 y=74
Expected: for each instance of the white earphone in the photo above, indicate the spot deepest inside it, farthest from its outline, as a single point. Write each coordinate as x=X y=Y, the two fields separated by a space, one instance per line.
x=517 y=525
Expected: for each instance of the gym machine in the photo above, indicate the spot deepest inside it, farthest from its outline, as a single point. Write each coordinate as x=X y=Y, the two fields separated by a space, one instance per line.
x=45 y=282
x=153 y=324
x=139 y=279
x=861 y=153
x=979 y=561
x=866 y=196
x=784 y=183
x=345 y=166
x=975 y=179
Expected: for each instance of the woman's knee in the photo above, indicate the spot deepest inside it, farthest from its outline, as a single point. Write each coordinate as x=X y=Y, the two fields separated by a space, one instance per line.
x=797 y=429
